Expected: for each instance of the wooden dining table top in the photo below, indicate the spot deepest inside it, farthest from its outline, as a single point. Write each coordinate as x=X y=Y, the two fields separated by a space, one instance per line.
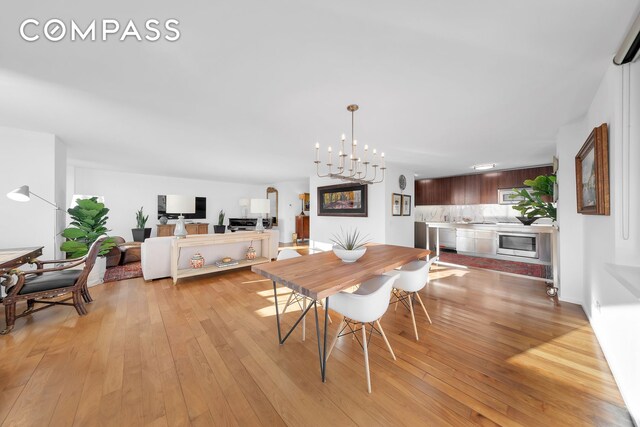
x=323 y=274
x=11 y=258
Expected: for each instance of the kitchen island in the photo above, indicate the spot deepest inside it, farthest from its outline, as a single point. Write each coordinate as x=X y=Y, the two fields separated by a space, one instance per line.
x=535 y=244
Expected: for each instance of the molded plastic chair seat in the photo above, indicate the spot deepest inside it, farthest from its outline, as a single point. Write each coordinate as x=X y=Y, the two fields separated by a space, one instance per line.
x=366 y=305
x=411 y=278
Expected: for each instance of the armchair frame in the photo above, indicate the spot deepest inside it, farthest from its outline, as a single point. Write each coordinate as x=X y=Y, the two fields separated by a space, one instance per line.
x=18 y=279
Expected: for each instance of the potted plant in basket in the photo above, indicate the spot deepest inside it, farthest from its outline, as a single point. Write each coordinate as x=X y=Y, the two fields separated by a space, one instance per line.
x=539 y=202
x=89 y=220
x=220 y=227
x=349 y=246
x=140 y=233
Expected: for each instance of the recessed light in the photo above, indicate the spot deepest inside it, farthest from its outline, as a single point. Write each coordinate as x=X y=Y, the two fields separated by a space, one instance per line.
x=484 y=166
x=415 y=174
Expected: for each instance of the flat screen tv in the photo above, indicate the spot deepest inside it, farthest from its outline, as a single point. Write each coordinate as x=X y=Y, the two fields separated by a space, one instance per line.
x=201 y=209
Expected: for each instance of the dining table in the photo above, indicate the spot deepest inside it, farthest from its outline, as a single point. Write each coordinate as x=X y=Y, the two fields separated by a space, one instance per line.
x=319 y=276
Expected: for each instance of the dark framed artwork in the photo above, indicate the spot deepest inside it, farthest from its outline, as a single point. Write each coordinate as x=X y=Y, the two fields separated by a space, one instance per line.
x=592 y=173
x=406 y=205
x=396 y=204
x=342 y=200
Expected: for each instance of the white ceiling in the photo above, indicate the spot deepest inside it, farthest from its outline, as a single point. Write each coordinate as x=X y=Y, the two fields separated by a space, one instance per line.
x=251 y=85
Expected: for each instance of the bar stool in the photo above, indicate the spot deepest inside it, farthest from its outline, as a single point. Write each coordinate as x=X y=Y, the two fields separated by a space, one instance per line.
x=365 y=305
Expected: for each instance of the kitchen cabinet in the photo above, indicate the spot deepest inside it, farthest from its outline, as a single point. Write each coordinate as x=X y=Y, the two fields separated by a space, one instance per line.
x=457 y=190
x=433 y=191
x=515 y=178
x=489 y=188
x=473 y=189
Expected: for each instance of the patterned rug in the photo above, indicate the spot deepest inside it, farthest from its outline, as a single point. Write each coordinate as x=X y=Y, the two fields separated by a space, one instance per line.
x=123 y=272
x=514 y=267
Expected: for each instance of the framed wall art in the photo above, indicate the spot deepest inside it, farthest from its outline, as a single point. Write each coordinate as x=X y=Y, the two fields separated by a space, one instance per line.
x=342 y=200
x=592 y=173
x=406 y=205
x=396 y=204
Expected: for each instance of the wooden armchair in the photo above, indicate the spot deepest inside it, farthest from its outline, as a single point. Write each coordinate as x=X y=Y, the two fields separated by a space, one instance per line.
x=47 y=283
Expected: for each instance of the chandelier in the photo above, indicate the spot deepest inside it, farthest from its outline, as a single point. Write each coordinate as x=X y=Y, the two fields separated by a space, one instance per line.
x=351 y=167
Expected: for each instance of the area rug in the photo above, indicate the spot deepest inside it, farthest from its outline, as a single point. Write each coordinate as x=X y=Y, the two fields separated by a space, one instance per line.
x=514 y=267
x=123 y=272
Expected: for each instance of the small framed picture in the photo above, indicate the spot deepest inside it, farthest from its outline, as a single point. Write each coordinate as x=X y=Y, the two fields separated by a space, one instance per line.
x=406 y=205
x=396 y=204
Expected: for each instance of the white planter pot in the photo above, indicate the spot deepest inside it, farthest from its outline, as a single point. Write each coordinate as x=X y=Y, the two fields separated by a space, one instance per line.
x=349 y=256
x=96 y=276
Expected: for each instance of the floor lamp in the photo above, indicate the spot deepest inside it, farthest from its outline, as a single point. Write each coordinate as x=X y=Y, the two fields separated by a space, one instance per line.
x=23 y=194
x=180 y=205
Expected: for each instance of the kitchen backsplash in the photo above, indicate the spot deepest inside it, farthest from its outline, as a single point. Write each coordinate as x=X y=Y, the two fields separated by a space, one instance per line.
x=468 y=213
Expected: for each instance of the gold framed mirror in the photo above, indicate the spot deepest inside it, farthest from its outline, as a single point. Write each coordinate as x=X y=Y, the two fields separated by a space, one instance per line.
x=272 y=195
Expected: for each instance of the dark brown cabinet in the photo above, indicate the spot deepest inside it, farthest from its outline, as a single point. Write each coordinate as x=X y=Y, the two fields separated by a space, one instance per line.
x=489 y=188
x=302 y=227
x=473 y=189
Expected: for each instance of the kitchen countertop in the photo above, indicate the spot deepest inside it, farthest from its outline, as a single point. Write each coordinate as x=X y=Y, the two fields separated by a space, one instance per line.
x=534 y=228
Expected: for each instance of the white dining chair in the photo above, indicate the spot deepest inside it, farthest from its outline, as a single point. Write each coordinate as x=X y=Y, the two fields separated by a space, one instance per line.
x=365 y=305
x=411 y=278
x=295 y=297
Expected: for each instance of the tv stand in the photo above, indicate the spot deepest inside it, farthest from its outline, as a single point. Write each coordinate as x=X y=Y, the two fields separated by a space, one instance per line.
x=164 y=230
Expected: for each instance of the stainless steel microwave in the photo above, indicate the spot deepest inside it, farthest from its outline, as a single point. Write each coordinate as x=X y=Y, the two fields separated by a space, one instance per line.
x=504 y=196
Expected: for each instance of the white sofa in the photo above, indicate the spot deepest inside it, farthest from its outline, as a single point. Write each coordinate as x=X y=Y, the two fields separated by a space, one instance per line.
x=155 y=254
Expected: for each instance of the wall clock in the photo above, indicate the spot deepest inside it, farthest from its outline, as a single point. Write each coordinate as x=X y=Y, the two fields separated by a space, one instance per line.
x=403 y=182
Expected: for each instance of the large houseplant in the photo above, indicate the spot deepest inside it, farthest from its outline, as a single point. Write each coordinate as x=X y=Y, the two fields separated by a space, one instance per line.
x=537 y=203
x=88 y=223
x=141 y=233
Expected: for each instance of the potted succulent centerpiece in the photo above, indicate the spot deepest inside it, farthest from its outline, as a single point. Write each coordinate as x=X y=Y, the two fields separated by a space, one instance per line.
x=537 y=203
x=349 y=246
x=220 y=227
x=88 y=223
x=140 y=233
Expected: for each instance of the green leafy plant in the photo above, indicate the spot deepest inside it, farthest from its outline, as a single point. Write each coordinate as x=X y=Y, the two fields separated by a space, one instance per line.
x=89 y=219
x=536 y=203
x=221 y=217
x=349 y=240
x=141 y=219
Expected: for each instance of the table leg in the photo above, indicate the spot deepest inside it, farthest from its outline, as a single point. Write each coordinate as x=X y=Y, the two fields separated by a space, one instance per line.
x=304 y=313
x=322 y=350
x=324 y=345
x=275 y=297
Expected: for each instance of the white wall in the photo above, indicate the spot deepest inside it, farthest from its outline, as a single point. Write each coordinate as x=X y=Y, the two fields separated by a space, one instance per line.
x=379 y=225
x=588 y=242
x=399 y=230
x=124 y=193
x=31 y=158
x=289 y=205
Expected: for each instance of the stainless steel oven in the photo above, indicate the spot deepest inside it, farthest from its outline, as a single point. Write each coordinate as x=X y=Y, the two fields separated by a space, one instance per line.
x=518 y=244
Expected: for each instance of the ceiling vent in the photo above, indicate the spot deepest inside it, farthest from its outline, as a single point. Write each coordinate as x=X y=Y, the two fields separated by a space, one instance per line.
x=630 y=46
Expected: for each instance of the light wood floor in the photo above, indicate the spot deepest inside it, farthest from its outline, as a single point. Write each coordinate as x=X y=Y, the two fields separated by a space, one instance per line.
x=499 y=352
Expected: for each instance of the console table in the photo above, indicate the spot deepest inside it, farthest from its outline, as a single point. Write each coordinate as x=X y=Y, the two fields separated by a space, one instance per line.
x=164 y=230
x=239 y=238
